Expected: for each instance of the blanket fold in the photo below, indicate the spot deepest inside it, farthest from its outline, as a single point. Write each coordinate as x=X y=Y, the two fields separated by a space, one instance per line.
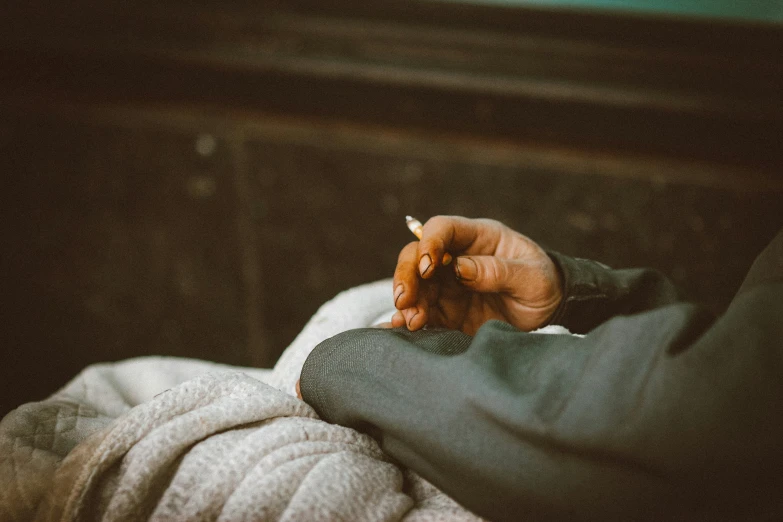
x=158 y=438
x=225 y=447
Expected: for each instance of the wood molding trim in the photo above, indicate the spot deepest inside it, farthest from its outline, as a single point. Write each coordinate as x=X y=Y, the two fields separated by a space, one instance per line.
x=628 y=84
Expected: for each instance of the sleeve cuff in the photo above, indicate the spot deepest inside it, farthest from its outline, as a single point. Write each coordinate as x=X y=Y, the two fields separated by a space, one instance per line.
x=582 y=288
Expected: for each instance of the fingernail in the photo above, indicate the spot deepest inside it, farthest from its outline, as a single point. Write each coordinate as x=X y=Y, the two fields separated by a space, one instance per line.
x=398 y=292
x=424 y=264
x=465 y=269
x=410 y=319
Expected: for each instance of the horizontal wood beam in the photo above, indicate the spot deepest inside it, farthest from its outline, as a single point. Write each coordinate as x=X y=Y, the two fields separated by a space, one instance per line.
x=690 y=89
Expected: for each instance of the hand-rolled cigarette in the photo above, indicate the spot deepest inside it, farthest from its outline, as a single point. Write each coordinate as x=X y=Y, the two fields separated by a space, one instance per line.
x=415 y=226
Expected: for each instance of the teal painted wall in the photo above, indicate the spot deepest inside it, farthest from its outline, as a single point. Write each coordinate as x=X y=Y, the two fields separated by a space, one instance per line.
x=758 y=10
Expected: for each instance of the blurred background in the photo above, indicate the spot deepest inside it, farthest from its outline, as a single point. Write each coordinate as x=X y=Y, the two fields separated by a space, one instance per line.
x=196 y=178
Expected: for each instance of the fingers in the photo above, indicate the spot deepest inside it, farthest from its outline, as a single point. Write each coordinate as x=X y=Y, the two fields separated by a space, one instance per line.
x=418 y=261
x=413 y=318
x=420 y=316
x=457 y=234
x=492 y=274
x=410 y=298
x=406 y=278
x=387 y=324
x=398 y=319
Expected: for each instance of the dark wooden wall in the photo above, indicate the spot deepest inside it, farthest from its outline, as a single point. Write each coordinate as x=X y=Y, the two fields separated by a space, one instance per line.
x=195 y=180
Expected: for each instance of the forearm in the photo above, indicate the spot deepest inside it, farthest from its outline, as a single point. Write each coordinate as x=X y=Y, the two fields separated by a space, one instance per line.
x=481 y=425
x=654 y=416
x=661 y=414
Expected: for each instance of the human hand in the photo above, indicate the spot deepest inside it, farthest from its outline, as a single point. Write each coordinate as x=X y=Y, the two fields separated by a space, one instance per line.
x=497 y=273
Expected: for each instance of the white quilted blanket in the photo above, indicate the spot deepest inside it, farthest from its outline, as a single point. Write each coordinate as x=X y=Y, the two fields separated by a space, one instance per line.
x=160 y=438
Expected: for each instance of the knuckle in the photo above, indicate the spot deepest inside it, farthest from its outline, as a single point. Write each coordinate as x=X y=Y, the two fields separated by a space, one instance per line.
x=436 y=221
x=490 y=223
x=437 y=231
x=440 y=224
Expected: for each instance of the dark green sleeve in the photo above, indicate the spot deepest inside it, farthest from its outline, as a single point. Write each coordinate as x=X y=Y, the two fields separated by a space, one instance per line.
x=666 y=414
x=593 y=292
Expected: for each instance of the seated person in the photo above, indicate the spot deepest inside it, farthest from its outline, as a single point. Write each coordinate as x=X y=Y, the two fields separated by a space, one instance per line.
x=661 y=411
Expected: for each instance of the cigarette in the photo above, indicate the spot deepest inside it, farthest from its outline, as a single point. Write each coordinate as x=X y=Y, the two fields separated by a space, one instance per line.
x=415 y=226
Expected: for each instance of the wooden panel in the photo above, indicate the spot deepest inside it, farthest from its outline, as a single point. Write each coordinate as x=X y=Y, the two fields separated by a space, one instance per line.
x=685 y=88
x=119 y=243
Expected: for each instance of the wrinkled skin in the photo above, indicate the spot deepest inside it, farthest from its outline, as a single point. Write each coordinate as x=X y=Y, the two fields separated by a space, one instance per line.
x=497 y=273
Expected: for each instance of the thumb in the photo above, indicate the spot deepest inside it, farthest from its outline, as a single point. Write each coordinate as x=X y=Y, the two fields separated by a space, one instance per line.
x=488 y=274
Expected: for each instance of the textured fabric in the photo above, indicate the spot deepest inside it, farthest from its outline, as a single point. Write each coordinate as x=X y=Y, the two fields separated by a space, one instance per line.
x=175 y=439
x=225 y=447
x=593 y=293
x=661 y=412
x=36 y=437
